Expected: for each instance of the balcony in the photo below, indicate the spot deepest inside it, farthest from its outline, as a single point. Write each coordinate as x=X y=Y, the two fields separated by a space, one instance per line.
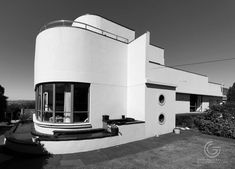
x=80 y=25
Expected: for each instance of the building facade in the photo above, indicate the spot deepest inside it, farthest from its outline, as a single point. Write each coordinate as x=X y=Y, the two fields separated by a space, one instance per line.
x=91 y=67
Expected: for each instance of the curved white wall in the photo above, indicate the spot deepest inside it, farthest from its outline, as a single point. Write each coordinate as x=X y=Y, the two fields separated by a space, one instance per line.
x=73 y=54
x=67 y=54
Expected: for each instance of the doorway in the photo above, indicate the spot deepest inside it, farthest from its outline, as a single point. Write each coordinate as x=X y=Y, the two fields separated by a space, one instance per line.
x=195 y=103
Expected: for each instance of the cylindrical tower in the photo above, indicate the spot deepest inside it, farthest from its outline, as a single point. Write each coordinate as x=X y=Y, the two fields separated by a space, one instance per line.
x=76 y=66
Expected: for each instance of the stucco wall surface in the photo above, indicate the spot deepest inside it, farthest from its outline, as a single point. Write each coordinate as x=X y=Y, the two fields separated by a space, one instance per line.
x=107 y=100
x=136 y=67
x=155 y=54
x=153 y=109
x=77 y=55
x=186 y=82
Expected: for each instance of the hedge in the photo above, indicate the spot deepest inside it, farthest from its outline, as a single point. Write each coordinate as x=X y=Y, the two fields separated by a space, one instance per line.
x=219 y=120
x=187 y=119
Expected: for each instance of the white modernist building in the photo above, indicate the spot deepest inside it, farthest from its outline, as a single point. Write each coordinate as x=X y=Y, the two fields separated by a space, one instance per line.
x=91 y=71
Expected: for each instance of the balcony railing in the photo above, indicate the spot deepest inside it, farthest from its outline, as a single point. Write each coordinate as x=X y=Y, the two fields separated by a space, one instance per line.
x=68 y=23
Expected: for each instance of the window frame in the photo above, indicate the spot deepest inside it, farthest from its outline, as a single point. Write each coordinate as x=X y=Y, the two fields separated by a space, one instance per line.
x=164 y=100
x=39 y=107
x=164 y=118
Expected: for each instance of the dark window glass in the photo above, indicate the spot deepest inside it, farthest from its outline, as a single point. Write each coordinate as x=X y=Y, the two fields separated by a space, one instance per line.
x=39 y=98
x=81 y=97
x=161 y=118
x=47 y=102
x=81 y=94
x=38 y=103
x=47 y=95
x=161 y=99
x=80 y=117
x=59 y=97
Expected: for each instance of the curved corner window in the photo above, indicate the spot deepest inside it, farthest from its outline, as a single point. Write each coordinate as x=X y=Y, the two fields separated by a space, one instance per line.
x=161 y=118
x=62 y=102
x=161 y=99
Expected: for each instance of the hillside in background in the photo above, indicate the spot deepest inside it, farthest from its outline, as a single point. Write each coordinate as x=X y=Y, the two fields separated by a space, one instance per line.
x=13 y=105
x=21 y=102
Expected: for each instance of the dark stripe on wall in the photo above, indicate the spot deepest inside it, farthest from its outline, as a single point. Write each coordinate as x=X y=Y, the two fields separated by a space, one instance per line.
x=155 y=63
x=158 y=86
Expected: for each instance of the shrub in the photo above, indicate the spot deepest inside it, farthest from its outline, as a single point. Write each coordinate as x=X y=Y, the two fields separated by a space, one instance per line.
x=219 y=120
x=14 y=108
x=187 y=119
x=27 y=116
x=25 y=104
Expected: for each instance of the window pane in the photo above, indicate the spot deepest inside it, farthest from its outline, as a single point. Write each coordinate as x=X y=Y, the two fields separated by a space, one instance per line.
x=59 y=117
x=39 y=98
x=59 y=97
x=80 y=117
x=81 y=94
x=63 y=103
x=38 y=105
x=39 y=115
x=47 y=97
x=81 y=97
x=48 y=116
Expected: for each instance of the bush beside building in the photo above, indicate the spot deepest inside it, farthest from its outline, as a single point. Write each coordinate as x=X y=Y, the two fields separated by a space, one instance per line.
x=14 y=109
x=187 y=119
x=219 y=120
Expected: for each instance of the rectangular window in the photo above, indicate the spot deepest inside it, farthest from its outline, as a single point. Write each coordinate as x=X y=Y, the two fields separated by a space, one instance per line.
x=38 y=107
x=81 y=95
x=63 y=102
x=47 y=94
x=47 y=102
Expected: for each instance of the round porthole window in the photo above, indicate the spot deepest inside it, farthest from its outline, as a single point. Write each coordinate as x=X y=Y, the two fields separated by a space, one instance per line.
x=161 y=99
x=161 y=118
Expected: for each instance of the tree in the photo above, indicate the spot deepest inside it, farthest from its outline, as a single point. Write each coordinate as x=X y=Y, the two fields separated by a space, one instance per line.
x=3 y=104
x=231 y=94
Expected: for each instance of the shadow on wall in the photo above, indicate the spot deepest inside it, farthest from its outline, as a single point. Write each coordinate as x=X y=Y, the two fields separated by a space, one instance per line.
x=182 y=97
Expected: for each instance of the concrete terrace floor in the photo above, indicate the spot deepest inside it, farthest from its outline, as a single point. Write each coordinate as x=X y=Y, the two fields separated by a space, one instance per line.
x=167 y=151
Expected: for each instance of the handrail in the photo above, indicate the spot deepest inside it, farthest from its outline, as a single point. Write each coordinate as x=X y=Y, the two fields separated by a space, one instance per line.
x=82 y=25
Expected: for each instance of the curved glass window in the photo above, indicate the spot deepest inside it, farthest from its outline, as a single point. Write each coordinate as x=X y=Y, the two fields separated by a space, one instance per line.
x=62 y=102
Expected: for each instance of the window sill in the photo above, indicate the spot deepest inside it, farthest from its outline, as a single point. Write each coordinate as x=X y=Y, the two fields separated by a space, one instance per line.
x=60 y=125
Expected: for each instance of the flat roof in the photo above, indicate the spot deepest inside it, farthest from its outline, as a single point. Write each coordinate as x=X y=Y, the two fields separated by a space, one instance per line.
x=110 y=21
x=177 y=68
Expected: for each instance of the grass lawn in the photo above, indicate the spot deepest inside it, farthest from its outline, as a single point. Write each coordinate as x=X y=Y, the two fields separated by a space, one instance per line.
x=186 y=152
x=167 y=151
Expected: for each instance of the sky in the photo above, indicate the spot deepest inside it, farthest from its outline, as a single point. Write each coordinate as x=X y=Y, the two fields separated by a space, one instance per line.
x=189 y=31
